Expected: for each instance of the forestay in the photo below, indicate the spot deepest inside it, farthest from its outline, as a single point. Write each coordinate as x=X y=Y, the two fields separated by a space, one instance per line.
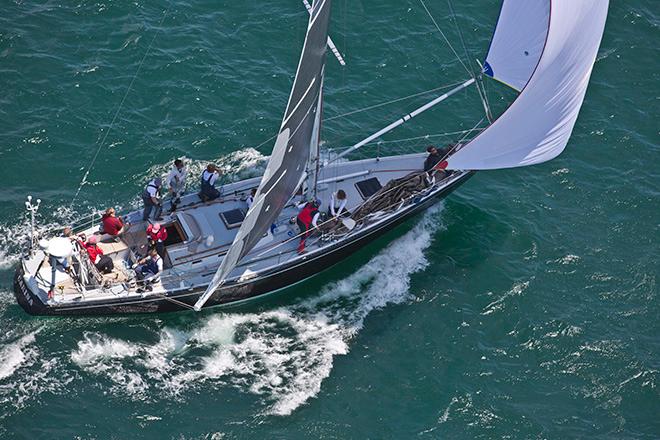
x=537 y=125
x=288 y=160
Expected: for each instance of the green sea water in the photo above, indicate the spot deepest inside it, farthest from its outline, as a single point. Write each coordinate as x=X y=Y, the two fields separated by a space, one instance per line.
x=523 y=306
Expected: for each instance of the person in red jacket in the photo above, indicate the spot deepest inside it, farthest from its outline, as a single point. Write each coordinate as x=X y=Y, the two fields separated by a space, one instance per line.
x=113 y=225
x=307 y=219
x=102 y=262
x=157 y=236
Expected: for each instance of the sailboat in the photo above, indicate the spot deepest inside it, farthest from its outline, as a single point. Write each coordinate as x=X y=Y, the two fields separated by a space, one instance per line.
x=222 y=252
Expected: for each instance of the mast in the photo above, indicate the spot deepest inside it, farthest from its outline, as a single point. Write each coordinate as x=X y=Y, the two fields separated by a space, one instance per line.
x=313 y=164
x=290 y=157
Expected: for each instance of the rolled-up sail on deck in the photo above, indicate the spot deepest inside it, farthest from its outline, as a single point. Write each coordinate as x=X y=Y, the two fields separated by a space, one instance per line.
x=537 y=125
x=288 y=161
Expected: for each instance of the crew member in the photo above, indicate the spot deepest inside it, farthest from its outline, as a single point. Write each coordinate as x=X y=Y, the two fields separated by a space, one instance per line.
x=58 y=250
x=250 y=198
x=113 y=225
x=157 y=236
x=337 y=203
x=151 y=199
x=102 y=262
x=208 y=189
x=435 y=157
x=307 y=219
x=176 y=182
x=148 y=269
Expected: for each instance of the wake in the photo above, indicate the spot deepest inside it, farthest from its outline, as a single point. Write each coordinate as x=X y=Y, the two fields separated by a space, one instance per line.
x=281 y=355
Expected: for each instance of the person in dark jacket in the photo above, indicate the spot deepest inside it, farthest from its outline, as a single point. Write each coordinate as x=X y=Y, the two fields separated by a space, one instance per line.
x=208 y=191
x=435 y=157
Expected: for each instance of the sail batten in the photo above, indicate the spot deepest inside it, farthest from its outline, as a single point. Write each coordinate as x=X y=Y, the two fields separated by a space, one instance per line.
x=537 y=125
x=288 y=161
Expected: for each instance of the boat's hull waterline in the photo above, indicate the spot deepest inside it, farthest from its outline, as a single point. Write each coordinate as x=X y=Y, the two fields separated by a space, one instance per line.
x=231 y=294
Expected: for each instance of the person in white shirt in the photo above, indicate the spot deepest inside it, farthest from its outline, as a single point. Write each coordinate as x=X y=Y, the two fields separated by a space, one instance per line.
x=176 y=182
x=337 y=203
x=250 y=198
x=208 y=189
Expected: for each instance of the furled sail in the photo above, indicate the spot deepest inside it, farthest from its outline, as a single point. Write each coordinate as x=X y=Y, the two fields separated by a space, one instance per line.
x=537 y=125
x=290 y=155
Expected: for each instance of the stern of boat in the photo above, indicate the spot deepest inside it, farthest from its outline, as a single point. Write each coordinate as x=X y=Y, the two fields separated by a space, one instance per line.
x=24 y=296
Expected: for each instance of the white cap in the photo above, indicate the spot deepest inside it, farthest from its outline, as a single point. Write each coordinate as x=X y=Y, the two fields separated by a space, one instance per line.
x=60 y=247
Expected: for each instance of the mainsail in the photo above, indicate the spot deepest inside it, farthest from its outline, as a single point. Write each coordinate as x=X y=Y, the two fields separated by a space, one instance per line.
x=537 y=125
x=287 y=165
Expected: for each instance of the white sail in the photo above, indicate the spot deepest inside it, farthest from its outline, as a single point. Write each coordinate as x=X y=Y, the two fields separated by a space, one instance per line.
x=289 y=160
x=518 y=41
x=537 y=125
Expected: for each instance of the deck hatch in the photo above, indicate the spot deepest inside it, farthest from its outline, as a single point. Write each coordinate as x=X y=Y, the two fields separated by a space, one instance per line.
x=369 y=187
x=232 y=218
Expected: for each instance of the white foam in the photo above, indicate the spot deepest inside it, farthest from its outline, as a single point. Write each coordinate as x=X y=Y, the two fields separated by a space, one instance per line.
x=281 y=355
x=13 y=355
x=95 y=348
x=102 y=355
x=25 y=373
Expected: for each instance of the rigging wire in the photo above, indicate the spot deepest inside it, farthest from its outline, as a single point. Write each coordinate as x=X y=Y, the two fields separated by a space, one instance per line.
x=480 y=87
x=371 y=107
x=460 y=34
x=121 y=103
x=459 y=144
x=447 y=134
x=469 y=71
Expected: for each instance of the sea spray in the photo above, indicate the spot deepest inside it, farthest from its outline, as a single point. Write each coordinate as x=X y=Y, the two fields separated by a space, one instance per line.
x=282 y=355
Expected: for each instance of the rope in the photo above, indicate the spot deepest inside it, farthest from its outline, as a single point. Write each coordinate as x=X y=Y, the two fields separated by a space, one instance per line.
x=460 y=35
x=261 y=254
x=114 y=118
x=459 y=143
x=174 y=301
x=446 y=39
x=480 y=86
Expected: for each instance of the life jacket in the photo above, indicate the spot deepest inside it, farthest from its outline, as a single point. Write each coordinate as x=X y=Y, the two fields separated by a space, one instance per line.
x=307 y=214
x=145 y=194
x=152 y=265
x=206 y=183
x=161 y=235
x=93 y=252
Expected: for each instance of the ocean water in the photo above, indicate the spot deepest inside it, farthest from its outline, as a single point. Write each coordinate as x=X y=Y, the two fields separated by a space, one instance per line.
x=523 y=306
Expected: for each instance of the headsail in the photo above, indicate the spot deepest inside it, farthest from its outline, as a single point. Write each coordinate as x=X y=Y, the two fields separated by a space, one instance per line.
x=288 y=160
x=518 y=41
x=537 y=125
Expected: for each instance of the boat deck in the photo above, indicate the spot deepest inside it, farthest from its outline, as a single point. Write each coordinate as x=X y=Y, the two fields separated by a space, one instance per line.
x=200 y=233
